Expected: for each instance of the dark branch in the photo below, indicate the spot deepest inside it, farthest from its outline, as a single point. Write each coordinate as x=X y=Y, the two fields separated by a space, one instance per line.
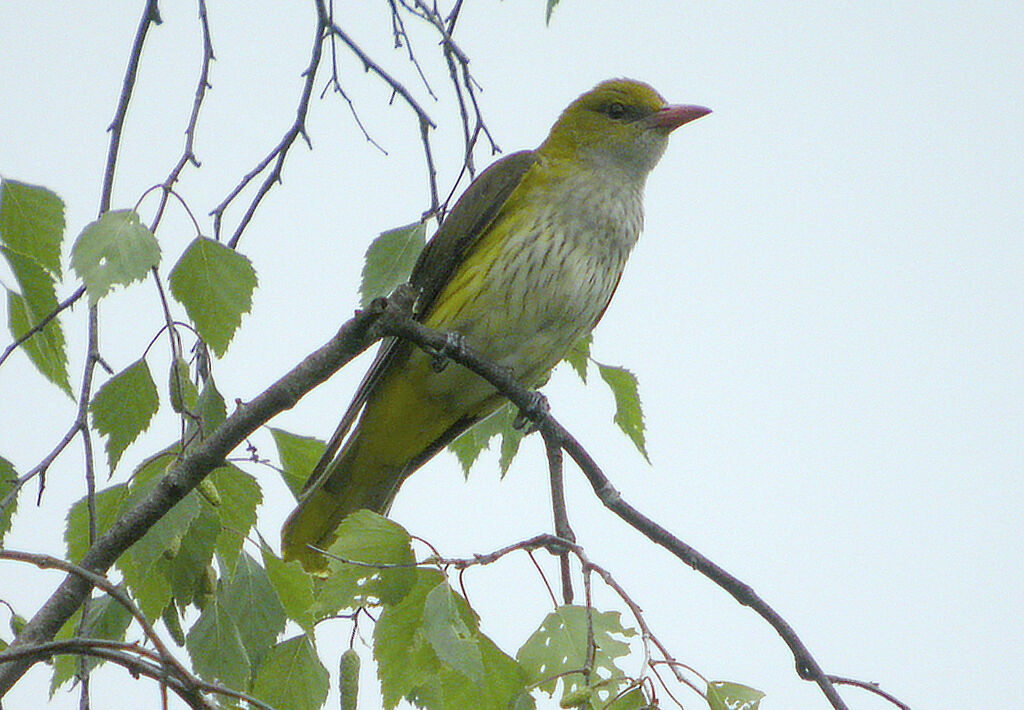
x=354 y=336
x=524 y=398
x=116 y=593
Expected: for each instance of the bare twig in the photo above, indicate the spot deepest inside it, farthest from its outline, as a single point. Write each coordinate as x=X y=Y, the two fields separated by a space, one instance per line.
x=40 y=469
x=397 y=88
x=188 y=155
x=402 y=40
x=150 y=16
x=280 y=152
x=335 y=83
x=562 y=528
x=871 y=687
x=116 y=593
x=524 y=398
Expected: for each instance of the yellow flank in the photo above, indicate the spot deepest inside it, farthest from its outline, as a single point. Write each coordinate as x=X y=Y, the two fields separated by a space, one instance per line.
x=535 y=280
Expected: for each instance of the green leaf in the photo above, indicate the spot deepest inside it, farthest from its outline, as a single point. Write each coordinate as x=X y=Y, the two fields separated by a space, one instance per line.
x=550 y=9
x=405 y=643
x=632 y=699
x=32 y=223
x=291 y=677
x=468 y=446
x=405 y=661
x=559 y=645
x=446 y=629
x=116 y=249
x=251 y=601
x=37 y=300
x=471 y=443
x=578 y=356
x=107 y=619
x=183 y=393
x=389 y=260
x=373 y=540
x=216 y=648
x=215 y=284
x=123 y=408
x=144 y=565
x=211 y=407
x=298 y=455
x=37 y=285
x=240 y=495
x=8 y=482
x=628 y=414
x=732 y=696
x=510 y=437
x=109 y=503
x=194 y=553
x=293 y=586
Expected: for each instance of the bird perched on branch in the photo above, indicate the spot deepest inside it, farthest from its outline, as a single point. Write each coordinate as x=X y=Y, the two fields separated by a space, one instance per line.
x=523 y=267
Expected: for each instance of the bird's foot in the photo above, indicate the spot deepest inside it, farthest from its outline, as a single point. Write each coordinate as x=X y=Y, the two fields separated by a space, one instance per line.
x=537 y=408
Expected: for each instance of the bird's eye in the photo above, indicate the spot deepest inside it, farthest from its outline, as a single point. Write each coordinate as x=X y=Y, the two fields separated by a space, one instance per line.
x=616 y=110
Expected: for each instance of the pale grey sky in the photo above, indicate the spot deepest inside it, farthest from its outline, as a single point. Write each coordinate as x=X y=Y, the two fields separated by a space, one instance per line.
x=825 y=312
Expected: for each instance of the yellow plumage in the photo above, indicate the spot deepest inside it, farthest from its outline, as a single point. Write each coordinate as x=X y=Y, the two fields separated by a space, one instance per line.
x=524 y=266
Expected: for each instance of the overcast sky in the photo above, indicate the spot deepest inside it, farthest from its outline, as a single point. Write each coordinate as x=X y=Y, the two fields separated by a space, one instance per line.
x=825 y=312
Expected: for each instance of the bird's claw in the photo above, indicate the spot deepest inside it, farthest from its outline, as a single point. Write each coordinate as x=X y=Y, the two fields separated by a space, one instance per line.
x=536 y=408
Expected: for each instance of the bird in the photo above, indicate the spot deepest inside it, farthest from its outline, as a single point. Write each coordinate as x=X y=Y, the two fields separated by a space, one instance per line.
x=522 y=267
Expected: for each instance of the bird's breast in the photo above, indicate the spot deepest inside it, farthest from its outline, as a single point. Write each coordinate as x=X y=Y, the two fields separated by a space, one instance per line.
x=543 y=275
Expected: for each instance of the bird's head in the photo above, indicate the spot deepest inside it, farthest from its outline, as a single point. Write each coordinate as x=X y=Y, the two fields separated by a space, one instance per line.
x=620 y=124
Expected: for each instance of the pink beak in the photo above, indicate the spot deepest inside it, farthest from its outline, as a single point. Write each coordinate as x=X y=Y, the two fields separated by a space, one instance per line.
x=672 y=116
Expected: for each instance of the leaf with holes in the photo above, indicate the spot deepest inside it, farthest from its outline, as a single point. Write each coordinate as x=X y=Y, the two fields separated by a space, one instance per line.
x=723 y=695
x=116 y=249
x=559 y=645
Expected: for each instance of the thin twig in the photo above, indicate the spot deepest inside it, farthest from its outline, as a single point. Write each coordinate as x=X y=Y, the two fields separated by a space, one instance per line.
x=115 y=592
x=561 y=515
x=62 y=306
x=280 y=152
x=871 y=687
x=397 y=88
x=335 y=83
x=188 y=155
x=524 y=398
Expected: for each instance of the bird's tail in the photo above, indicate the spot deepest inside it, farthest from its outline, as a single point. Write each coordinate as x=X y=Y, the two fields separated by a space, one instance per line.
x=349 y=483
